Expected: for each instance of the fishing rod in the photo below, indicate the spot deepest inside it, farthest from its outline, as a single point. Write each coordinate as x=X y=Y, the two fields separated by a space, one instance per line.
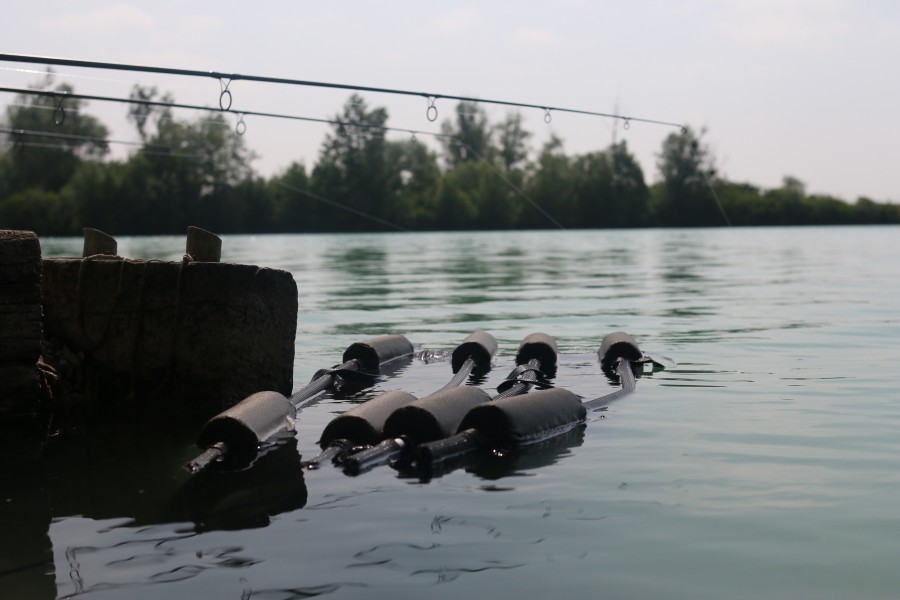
x=226 y=98
x=236 y=434
x=16 y=134
x=67 y=148
x=363 y=425
x=438 y=415
x=241 y=129
x=517 y=422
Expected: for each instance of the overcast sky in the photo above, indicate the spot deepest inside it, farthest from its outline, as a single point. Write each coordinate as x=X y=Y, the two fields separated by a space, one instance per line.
x=807 y=88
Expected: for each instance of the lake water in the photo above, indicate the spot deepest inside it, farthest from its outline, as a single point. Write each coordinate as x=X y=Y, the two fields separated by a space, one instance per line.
x=766 y=464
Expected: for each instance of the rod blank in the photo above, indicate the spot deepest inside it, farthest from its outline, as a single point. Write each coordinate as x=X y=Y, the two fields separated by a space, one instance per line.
x=229 y=77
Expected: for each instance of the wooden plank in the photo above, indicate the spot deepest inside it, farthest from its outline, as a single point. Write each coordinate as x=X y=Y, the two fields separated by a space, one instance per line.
x=20 y=322
x=20 y=257
x=21 y=393
x=20 y=302
x=200 y=335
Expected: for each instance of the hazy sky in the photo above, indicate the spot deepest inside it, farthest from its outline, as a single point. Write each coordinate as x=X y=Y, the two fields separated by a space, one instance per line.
x=808 y=88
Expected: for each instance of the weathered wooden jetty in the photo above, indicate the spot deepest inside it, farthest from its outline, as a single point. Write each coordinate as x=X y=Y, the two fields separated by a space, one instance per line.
x=23 y=391
x=103 y=334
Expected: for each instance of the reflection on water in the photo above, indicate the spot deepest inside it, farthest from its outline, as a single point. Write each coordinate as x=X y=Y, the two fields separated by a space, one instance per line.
x=513 y=463
x=763 y=465
x=234 y=500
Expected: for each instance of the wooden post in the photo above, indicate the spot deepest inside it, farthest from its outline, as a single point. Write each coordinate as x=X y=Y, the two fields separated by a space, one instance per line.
x=97 y=242
x=21 y=393
x=194 y=335
x=203 y=246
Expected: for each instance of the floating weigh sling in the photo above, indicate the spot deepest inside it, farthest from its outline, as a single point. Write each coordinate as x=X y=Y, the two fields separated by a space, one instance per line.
x=520 y=421
x=234 y=436
x=363 y=425
x=438 y=415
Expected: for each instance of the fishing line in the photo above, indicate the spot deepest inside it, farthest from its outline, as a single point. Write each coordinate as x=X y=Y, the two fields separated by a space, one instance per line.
x=54 y=74
x=241 y=114
x=65 y=147
x=62 y=96
x=715 y=196
x=146 y=148
x=41 y=145
x=513 y=186
x=69 y=136
x=163 y=151
x=37 y=106
x=337 y=205
x=196 y=158
x=226 y=97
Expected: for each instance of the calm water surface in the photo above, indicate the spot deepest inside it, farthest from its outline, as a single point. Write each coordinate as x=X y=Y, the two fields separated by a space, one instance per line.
x=766 y=464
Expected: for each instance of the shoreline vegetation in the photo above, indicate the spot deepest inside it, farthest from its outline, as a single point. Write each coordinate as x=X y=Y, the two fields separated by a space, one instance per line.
x=56 y=179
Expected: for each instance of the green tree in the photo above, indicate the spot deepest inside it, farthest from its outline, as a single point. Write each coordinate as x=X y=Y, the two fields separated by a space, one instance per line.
x=610 y=189
x=867 y=211
x=294 y=210
x=104 y=196
x=47 y=138
x=43 y=211
x=206 y=150
x=552 y=187
x=631 y=196
x=186 y=174
x=687 y=170
x=785 y=205
x=744 y=203
x=457 y=204
x=412 y=202
x=474 y=196
x=244 y=207
x=142 y=114
x=469 y=138
x=512 y=139
x=352 y=170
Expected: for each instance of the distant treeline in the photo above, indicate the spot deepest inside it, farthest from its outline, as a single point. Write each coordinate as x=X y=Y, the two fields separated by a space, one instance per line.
x=55 y=179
